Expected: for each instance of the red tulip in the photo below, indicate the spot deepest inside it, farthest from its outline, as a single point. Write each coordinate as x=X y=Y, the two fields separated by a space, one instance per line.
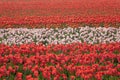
x=72 y=77
x=19 y=75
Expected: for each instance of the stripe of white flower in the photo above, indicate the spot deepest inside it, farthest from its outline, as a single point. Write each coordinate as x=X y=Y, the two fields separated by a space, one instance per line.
x=60 y=36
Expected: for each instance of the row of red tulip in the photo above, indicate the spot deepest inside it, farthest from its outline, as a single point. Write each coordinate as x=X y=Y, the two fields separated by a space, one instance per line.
x=61 y=7
x=72 y=12
x=60 y=62
x=101 y=20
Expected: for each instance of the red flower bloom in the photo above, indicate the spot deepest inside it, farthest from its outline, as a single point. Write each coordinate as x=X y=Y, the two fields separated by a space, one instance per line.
x=19 y=75
x=35 y=73
x=72 y=77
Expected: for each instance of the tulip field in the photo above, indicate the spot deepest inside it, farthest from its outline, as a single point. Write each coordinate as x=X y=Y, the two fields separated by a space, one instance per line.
x=59 y=39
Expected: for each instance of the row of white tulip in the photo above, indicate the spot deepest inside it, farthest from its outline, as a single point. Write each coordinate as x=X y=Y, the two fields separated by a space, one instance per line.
x=60 y=36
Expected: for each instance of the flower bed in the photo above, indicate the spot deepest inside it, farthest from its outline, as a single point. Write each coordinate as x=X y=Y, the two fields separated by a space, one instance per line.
x=60 y=62
x=59 y=21
x=60 y=36
x=59 y=39
x=77 y=12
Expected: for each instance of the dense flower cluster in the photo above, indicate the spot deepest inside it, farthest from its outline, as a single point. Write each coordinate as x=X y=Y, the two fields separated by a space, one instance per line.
x=6 y=22
x=60 y=36
x=15 y=8
x=59 y=40
x=23 y=12
x=60 y=62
